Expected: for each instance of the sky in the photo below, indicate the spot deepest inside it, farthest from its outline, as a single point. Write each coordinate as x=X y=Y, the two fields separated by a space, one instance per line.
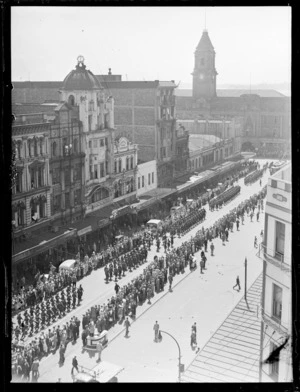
x=148 y=43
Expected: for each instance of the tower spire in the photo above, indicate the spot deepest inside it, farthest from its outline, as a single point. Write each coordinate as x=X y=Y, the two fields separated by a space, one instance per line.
x=204 y=18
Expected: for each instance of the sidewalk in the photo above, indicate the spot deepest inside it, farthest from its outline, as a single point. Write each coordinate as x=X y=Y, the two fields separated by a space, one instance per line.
x=232 y=353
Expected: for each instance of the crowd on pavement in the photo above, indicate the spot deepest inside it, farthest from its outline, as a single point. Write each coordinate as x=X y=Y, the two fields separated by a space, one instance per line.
x=118 y=259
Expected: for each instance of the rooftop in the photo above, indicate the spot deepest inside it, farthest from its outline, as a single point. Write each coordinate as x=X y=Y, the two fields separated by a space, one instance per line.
x=197 y=142
x=233 y=93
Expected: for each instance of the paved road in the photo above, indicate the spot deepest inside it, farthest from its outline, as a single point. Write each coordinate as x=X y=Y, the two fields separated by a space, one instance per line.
x=96 y=291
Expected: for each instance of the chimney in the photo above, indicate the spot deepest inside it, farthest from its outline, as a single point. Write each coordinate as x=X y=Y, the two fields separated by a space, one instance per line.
x=109 y=71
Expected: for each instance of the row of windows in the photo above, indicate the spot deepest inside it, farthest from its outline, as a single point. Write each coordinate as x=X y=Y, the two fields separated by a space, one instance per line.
x=57 y=174
x=57 y=200
x=67 y=148
x=129 y=164
x=95 y=143
x=36 y=147
x=150 y=177
x=98 y=171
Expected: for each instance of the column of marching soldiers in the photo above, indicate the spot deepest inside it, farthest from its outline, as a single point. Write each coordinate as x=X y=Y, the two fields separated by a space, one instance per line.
x=142 y=288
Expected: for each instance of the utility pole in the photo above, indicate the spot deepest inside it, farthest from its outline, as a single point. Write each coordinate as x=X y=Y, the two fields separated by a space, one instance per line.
x=246 y=279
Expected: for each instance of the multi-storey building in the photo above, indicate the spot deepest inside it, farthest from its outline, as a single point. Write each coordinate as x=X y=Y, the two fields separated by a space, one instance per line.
x=275 y=252
x=265 y=114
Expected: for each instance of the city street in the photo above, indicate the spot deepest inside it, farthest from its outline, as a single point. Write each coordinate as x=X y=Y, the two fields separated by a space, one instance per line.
x=192 y=300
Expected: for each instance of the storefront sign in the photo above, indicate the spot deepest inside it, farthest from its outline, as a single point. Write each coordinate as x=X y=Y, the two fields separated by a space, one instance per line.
x=86 y=230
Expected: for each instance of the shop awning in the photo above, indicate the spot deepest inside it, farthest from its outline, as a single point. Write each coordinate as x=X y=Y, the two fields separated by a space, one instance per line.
x=94 y=220
x=43 y=242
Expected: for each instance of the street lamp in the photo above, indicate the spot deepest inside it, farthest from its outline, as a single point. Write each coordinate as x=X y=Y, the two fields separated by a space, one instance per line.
x=179 y=358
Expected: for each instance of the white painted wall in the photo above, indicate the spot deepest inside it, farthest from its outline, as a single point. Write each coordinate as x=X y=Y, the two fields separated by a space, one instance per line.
x=143 y=170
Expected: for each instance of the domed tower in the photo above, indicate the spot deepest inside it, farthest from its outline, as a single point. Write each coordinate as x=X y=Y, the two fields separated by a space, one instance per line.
x=204 y=75
x=81 y=88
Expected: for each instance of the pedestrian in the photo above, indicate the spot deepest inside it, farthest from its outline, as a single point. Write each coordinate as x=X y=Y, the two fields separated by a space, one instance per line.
x=257 y=216
x=99 y=349
x=170 y=277
x=251 y=216
x=212 y=247
x=255 y=242
x=74 y=365
x=260 y=182
x=156 y=331
x=262 y=234
x=117 y=288
x=237 y=224
x=35 y=369
x=237 y=283
x=201 y=266
x=127 y=325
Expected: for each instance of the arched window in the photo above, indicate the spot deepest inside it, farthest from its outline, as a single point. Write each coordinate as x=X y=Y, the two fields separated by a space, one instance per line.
x=100 y=194
x=131 y=162
x=120 y=165
x=116 y=166
x=127 y=163
x=131 y=184
x=71 y=100
x=54 y=149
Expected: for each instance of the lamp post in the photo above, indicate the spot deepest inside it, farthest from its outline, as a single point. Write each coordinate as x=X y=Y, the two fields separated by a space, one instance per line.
x=179 y=358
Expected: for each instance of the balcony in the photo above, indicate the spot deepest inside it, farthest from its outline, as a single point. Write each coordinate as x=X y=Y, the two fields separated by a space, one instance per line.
x=275 y=323
x=280 y=261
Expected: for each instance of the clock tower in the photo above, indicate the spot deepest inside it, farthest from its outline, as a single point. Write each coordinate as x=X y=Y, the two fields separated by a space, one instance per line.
x=204 y=75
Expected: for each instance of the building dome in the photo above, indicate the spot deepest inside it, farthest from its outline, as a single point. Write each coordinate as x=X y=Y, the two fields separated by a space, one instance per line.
x=81 y=78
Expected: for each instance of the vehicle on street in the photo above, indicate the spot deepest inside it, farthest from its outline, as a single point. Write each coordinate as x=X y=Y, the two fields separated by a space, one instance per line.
x=102 y=373
x=68 y=265
x=154 y=225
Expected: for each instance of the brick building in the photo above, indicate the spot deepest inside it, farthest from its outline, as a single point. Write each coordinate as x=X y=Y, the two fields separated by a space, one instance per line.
x=265 y=114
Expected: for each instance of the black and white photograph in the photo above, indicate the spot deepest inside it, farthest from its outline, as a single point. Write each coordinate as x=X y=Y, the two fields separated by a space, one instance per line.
x=151 y=194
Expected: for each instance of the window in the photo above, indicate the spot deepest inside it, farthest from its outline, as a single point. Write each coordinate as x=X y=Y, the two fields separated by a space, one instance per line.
x=120 y=165
x=40 y=176
x=19 y=182
x=32 y=178
x=163 y=152
x=67 y=176
x=139 y=182
x=106 y=141
x=95 y=143
x=274 y=366
x=273 y=183
x=106 y=167
x=71 y=100
x=67 y=200
x=56 y=203
x=90 y=144
x=41 y=147
x=35 y=147
x=101 y=142
x=127 y=163
x=77 y=197
x=143 y=181
x=102 y=172
x=280 y=238
x=90 y=122
x=100 y=194
x=116 y=167
x=95 y=171
x=56 y=176
x=288 y=187
x=131 y=162
x=77 y=172
x=152 y=177
x=91 y=172
x=149 y=177
x=277 y=302
x=54 y=149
